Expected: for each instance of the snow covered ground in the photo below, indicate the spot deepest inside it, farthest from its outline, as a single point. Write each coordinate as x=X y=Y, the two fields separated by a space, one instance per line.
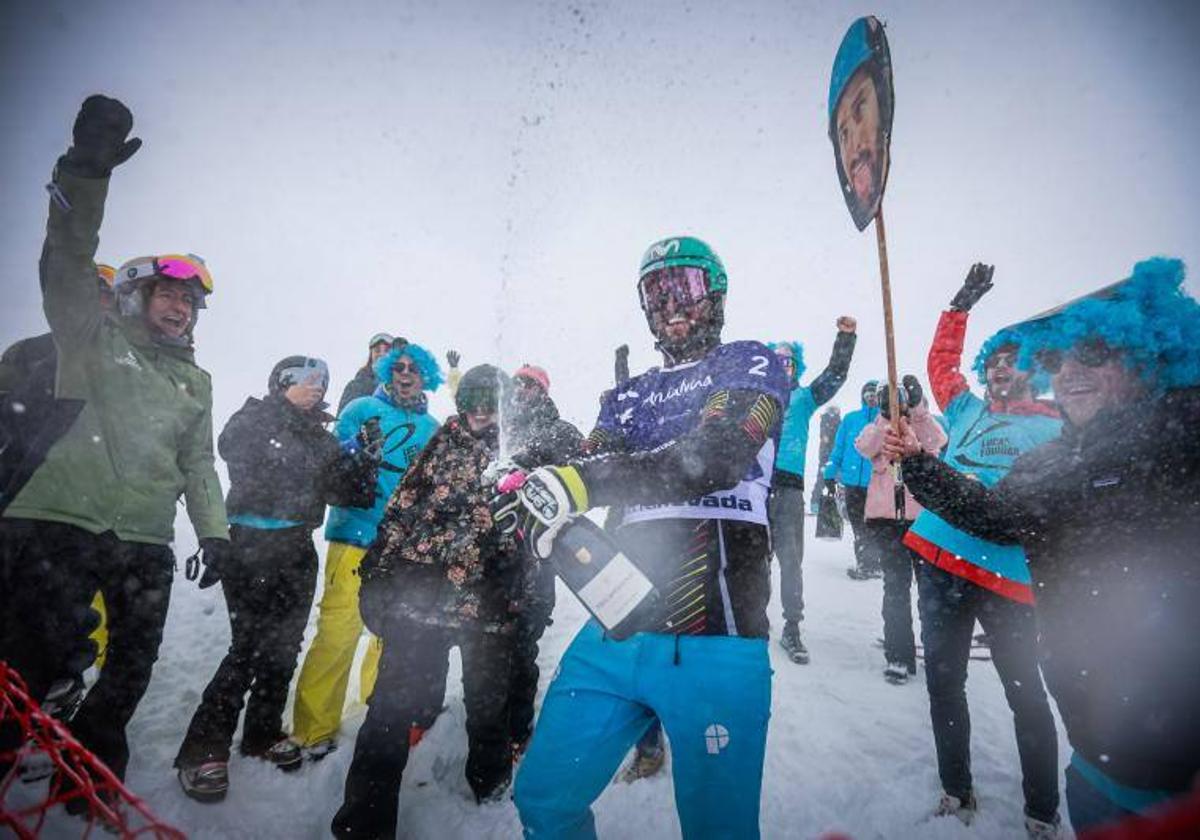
x=846 y=752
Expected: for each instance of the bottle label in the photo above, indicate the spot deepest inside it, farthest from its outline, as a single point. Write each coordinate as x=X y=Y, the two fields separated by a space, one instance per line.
x=615 y=592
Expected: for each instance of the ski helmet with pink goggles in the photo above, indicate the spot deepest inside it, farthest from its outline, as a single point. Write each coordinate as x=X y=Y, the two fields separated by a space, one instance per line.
x=187 y=268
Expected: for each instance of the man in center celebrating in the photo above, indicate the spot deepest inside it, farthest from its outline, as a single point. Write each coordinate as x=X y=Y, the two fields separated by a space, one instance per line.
x=686 y=452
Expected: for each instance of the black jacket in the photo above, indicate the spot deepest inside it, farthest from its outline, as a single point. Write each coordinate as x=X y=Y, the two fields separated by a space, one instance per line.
x=283 y=464
x=539 y=437
x=31 y=418
x=363 y=384
x=1109 y=516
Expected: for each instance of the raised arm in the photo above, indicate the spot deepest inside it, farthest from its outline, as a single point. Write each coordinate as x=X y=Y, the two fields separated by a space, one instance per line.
x=830 y=380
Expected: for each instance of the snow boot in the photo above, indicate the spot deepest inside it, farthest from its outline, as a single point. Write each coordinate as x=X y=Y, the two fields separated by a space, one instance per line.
x=64 y=698
x=283 y=753
x=207 y=782
x=319 y=749
x=1041 y=830
x=897 y=673
x=952 y=806
x=793 y=644
x=643 y=765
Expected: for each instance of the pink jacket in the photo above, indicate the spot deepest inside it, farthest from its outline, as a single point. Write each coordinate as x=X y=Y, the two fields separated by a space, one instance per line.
x=881 y=493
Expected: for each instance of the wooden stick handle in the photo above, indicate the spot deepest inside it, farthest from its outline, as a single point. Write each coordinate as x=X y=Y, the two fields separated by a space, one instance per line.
x=889 y=332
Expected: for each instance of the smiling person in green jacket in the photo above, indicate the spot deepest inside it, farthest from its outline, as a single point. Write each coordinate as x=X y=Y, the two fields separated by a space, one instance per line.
x=99 y=513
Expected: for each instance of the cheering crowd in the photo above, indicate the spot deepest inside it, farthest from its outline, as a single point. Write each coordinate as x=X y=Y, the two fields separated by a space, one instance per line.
x=1057 y=504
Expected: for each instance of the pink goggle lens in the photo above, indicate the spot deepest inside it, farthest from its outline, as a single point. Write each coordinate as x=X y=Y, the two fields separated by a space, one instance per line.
x=179 y=267
x=683 y=284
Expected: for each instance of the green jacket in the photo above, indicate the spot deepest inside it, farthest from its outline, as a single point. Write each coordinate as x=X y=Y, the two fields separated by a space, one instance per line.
x=144 y=437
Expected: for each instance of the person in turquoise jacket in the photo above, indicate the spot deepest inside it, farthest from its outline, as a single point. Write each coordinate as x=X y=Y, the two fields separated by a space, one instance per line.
x=850 y=469
x=965 y=578
x=395 y=418
x=786 y=504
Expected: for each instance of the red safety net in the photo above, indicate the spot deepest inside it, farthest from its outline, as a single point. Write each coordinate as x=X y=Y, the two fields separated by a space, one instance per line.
x=80 y=780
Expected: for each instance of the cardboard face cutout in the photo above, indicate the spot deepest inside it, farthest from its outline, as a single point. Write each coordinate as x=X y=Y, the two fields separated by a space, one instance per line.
x=860 y=117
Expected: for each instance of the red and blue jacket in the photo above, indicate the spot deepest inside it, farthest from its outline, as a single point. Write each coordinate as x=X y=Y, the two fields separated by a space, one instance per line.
x=985 y=438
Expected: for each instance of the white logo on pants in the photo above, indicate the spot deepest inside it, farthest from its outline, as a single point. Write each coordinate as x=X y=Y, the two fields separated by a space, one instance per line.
x=716 y=738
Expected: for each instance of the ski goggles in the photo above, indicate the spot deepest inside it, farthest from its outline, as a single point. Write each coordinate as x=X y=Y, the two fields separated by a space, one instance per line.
x=477 y=400
x=684 y=285
x=313 y=371
x=172 y=266
x=106 y=275
x=1091 y=354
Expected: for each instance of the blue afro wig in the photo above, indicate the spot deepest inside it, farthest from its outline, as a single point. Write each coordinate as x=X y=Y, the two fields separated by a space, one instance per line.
x=1039 y=380
x=423 y=359
x=1148 y=316
x=797 y=355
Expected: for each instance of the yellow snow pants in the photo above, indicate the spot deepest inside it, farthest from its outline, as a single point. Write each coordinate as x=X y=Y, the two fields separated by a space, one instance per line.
x=321 y=689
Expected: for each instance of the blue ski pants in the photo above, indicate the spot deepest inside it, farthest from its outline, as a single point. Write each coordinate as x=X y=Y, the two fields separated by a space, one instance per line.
x=713 y=696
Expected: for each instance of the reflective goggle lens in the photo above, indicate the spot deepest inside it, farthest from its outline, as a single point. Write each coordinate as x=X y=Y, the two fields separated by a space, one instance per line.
x=184 y=267
x=477 y=401
x=682 y=284
x=313 y=371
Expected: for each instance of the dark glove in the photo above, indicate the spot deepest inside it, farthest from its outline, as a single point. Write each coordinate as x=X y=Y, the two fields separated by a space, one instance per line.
x=99 y=138
x=453 y=357
x=913 y=390
x=621 y=364
x=830 y=487
x=217 y=556
x=370 y=439
x=977 y=284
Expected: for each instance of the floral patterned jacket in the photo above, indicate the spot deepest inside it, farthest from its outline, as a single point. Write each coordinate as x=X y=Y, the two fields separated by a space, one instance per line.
x=437 y=558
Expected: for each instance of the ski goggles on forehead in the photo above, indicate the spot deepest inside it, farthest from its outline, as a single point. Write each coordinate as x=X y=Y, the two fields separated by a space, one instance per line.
x=478 y=401
x=682 y=284
x=1091 y=354
x=173 y=266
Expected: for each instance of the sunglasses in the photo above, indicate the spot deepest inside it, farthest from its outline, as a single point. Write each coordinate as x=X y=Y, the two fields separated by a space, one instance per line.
x=996 y=359
x=1091 y=354
x=405 y=367
x=682 y=284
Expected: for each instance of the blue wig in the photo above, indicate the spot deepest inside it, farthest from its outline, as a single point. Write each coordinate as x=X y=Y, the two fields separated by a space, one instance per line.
x=797 y=356
x=1039 y=380
x=1148 y=316
x=422 y=358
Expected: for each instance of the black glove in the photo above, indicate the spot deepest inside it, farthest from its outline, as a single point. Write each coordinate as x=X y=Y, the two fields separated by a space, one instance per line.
x=830 y=487
x=216 y=555
x=621 y=364
x=913 y=390
x=977 y=284
x=370 y=439
x=99 y=138
x=453 y=357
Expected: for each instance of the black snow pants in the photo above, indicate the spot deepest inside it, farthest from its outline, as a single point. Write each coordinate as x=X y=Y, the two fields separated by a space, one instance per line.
x=866 y=552
x=268 y=592
x=414 y=655
x=531 y=624
x=949 y=606
x=785 y=509
x=49 y=573
x=899 y=644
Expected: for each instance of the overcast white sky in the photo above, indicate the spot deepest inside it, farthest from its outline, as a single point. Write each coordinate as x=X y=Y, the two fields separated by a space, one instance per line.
x=486 y=175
